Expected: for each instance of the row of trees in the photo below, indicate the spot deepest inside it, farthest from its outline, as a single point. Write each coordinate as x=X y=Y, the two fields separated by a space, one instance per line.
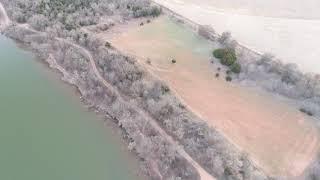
x=284 y=79
x=62 y=19
x=272 y=75
x=73 y=14
x=159 y=158
x=267 y=72
x=204 y=144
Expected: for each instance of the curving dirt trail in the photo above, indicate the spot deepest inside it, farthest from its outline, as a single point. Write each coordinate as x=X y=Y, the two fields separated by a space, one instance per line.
x=204 y=175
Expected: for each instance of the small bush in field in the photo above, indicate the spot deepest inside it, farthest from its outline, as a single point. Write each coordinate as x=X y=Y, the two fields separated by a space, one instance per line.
x=228 y=57
x=229 y=78
x=236 y=68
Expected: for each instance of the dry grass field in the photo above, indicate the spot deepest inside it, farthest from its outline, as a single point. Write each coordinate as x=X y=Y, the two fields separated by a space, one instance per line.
x=278 y=137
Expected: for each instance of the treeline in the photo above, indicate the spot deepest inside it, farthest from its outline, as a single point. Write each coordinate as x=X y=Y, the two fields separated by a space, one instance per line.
x=267 y=72
x=73 y=14
x=160 y=159
x=204 y=144
x=271 y=74
x=284 y=79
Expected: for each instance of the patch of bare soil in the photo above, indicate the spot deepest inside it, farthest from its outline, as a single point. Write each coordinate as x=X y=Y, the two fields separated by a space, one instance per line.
x=276 y=135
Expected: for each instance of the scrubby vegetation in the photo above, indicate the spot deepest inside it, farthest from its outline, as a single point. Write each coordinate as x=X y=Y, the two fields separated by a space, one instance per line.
x=228 y=58
x=207 y=32
x=283 y=79
x=236 y=68
x=136 y=88
x=160 y=159
x=206 y=145
x=68 y=15
x=65 y=18
x=272 y=75
x=228 y=78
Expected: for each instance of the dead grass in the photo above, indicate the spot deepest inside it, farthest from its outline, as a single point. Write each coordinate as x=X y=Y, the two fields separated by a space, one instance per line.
x=276 y=136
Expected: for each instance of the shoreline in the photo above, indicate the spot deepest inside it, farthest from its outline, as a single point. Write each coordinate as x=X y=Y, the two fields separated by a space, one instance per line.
x=71 y=82
x=54 y=73
x=69 y=79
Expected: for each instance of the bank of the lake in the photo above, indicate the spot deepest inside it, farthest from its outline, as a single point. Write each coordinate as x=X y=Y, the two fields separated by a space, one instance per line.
x=46 y=133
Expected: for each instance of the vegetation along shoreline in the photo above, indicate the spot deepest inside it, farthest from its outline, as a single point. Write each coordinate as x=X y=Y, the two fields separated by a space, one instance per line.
x=116 y=86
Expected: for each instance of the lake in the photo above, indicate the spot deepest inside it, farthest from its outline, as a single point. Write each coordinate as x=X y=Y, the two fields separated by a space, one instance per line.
x=46 y=133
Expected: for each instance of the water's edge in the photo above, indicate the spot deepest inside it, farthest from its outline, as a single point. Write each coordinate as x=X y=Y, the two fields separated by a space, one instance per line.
x=57 y=76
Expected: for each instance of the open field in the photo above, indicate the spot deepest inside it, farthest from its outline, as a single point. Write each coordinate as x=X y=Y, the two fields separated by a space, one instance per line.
x=275 y=135
x=288 y=29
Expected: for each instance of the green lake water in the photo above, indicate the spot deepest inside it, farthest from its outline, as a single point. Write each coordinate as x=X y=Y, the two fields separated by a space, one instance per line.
x=45 y=133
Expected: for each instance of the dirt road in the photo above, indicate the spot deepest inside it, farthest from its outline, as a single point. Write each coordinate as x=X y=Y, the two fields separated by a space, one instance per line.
x=203 y=173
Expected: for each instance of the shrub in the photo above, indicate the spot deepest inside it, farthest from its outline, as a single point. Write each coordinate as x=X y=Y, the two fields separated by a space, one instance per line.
x=236 y=68
x=225 y=38
x=305 y=111
x=143 y=12
x=227 y=56
x=155 y=11
x=219 y=53
x=108 y=45
x=228 y=78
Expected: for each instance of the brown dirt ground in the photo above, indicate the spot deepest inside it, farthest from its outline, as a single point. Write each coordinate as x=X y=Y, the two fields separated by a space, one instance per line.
x=276 y=135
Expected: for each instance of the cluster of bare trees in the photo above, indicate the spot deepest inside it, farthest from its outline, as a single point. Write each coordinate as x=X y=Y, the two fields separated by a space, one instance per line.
x=160 y=158
x=284 y=79
x=64 y=18
x=204 y=144
x=73 y=14
x=271 y=74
